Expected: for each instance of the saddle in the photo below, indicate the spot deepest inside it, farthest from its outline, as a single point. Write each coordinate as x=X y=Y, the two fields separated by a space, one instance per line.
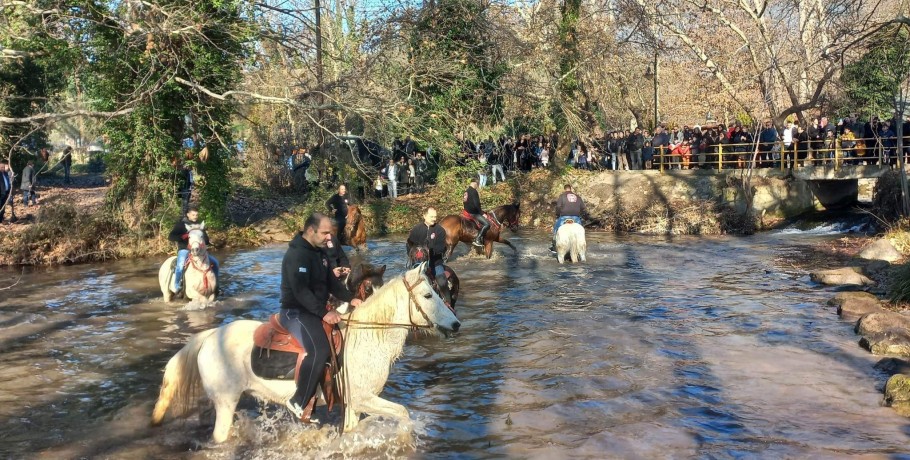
x=466 y=215
x=276 y=352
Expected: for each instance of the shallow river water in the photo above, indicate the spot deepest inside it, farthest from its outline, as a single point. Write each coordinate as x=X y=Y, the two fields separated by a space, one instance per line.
x=690 y=347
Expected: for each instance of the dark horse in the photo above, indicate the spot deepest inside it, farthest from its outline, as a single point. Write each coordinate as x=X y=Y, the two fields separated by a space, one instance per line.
x=459 y=228
x=451 y=277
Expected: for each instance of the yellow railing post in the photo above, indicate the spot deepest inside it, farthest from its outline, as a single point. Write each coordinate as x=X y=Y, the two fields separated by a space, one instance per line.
x=661 y=148
x=720 y=156
x=837 y=153
x=782 y=155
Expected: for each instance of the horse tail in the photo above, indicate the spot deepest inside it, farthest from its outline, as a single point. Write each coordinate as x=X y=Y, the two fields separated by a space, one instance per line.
x=181 y=381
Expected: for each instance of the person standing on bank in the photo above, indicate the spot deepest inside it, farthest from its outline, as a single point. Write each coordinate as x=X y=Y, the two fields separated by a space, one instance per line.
x=306 y=281
x=338 y=204
x=6 y=189
x=568 y=206
x=67 y=161
x=432 y=238
x=472 y=206
x=28 y=184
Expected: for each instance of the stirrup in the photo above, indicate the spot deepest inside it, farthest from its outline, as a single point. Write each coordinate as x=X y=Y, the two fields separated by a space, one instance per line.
x=477 y=243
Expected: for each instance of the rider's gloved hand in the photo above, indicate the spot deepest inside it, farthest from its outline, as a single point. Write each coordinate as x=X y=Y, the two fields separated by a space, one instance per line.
x=185 y=236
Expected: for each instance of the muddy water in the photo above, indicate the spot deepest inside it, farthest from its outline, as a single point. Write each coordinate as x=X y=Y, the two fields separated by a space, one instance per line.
x=656 y=348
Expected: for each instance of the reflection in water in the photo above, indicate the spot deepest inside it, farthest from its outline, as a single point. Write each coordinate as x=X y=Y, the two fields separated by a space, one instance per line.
x=691 y=347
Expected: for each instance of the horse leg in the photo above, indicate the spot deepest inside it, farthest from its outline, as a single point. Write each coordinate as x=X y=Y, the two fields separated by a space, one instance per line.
x=507 y=243
x=488 y=249
x=225 y=406
x=374 y=405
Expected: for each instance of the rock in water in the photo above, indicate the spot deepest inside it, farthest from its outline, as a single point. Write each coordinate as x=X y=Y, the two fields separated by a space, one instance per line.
x=891 y=342
x=893 y=366
x=854 y=304
x=897 y=394
x=881 y=249
x=876 y=323
x=846 y=276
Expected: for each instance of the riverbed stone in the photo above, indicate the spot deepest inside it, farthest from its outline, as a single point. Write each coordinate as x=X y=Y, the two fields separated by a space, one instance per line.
x=850 y=276
x=881 y=249
x=893 y=366
x=854 y=304
x=891 y=342
x=897 y=394
x=878 y=322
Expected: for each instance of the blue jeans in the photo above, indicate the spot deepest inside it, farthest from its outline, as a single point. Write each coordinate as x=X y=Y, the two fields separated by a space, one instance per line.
x=29 y=193
x=181 y=261
x=561 y=220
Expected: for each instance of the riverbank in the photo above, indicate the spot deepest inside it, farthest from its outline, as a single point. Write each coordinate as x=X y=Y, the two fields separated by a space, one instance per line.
x=72 y=225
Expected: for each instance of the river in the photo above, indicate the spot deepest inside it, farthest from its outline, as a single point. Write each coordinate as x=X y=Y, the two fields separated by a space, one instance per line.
x=657 y=347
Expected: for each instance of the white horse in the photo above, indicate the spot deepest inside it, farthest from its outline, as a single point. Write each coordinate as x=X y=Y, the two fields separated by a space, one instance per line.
x=199 y=281
x=374 y=336
x=570 y=238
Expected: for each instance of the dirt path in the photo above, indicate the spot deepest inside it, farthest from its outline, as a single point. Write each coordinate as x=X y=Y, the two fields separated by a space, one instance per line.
x=86 y=192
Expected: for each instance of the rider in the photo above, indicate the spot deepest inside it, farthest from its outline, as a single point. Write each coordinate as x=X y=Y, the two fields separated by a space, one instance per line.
x=433 y=237
x=472 y=207
x=335 y=253
x=180 y=234
x=306 y=281
x=568 y=206
x=338 y=204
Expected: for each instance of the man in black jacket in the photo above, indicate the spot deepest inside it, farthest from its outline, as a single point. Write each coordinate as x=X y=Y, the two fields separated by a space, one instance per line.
x=429 y=237
x=6 y=189
x=472 y=206
x=306 y=281
x=568 y=206
x=180 y=234
x=338 y=204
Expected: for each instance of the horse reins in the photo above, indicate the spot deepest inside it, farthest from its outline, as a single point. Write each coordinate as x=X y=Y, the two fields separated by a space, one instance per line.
x=205 y=279
x=411 y=299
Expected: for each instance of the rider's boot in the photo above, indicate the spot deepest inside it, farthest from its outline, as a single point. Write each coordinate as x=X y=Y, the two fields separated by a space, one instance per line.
x=443 y=285
x=479 y=240
x=553 y=245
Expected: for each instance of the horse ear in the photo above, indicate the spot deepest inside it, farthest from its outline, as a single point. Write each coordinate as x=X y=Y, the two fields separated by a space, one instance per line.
x=382 y=270
x=202 y=226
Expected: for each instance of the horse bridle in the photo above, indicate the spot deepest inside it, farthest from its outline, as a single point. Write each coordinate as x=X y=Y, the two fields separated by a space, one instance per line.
x=411 y=299
x=509 y=223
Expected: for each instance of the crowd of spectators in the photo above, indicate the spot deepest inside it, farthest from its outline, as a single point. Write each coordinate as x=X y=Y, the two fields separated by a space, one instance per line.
x=714 y=145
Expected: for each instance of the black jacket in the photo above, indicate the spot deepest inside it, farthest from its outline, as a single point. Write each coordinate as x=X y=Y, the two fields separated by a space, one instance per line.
x=307 y=279
x=472 y=201
x=569 y=204
x=180 y=229
x=335 y=254
x=339 y=205
x=434 y=238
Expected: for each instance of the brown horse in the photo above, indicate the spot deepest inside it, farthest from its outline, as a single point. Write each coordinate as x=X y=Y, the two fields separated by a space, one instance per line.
x=355 y=233
x=458 y=228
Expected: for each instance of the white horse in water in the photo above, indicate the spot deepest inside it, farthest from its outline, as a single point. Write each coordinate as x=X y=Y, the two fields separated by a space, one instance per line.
x=199 y=280
x=570 y=238
x=374 y=336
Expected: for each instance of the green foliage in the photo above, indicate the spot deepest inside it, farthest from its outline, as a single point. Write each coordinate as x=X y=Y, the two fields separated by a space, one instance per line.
x=28 y=83
x=145 y=146
x=871 y=81
x=458 y=89
x=899 y=284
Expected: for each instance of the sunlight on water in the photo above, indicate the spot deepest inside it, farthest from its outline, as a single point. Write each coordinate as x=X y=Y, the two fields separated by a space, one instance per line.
x=655 y=348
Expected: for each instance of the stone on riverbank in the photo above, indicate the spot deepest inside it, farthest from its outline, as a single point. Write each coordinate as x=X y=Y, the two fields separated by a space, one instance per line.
x=876 y=323
x=890 y=342
x=849 y=276
x=881 y=249
x=854 y=304
x=893 y=366
x=897 y=394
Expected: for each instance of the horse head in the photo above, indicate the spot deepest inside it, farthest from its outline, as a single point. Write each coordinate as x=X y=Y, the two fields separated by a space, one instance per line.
x=364 y=279
x=509 y=215
x=425 y=307
x=196 y=241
